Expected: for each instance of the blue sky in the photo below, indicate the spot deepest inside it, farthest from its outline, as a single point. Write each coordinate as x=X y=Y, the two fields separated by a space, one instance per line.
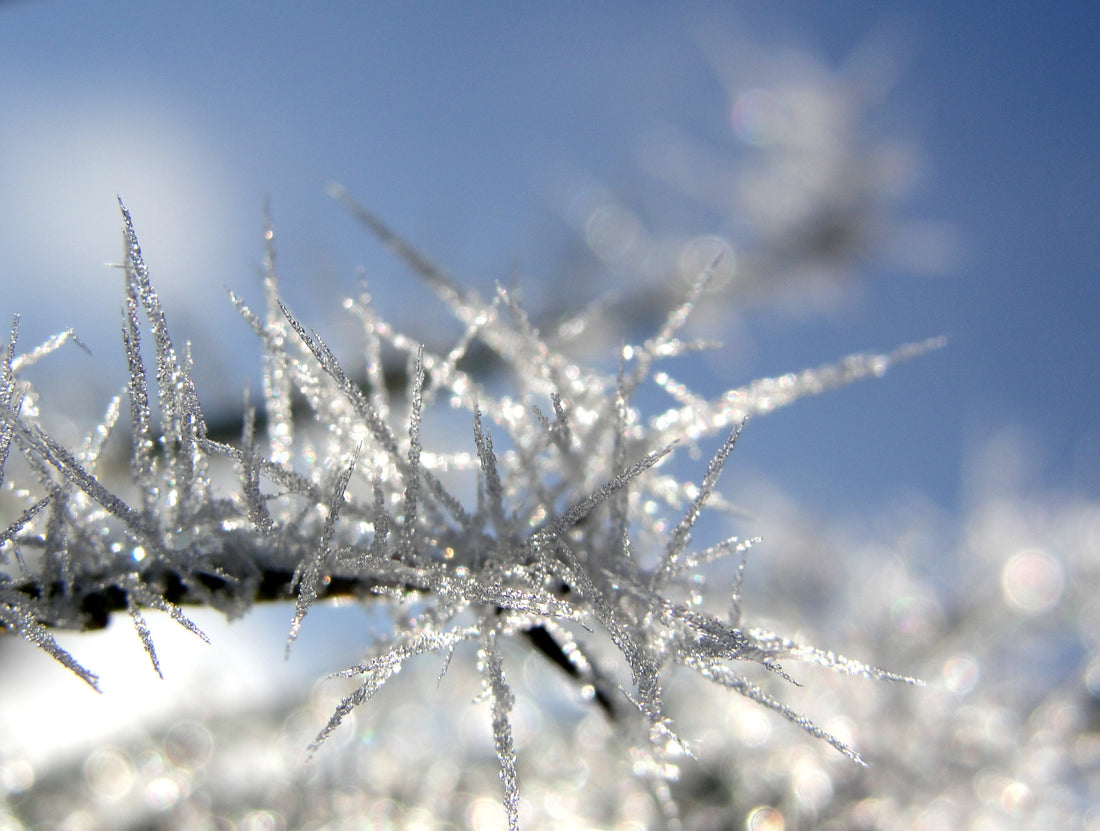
x=467 y=127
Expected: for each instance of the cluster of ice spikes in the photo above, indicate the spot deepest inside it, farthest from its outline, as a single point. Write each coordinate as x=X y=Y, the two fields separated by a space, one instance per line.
x=568 y=528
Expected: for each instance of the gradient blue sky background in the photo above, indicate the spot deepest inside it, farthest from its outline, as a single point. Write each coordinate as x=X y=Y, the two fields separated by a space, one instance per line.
x=463 y=125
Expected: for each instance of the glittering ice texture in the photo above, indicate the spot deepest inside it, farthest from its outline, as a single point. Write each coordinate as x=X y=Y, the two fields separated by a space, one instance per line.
x=570 y=531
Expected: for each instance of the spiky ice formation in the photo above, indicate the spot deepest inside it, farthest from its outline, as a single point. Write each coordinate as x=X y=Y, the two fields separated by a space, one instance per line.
x=568 y=527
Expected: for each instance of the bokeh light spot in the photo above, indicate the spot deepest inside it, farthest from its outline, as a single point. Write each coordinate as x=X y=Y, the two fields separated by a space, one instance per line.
x=162 y=793
x=700 y=254
x=109 y=773
x=961 y=674
x=16 y=776
x=188 y=745
x=1032 y=581
x=1092 y=677
x=765 y=818
x=612 y=232
x=261 y=821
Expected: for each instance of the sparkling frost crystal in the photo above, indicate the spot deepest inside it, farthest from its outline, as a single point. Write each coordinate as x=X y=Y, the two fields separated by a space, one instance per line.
x=562 y=538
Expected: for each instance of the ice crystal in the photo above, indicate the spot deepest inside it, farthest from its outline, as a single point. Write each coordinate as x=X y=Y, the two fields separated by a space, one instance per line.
x=561 y=530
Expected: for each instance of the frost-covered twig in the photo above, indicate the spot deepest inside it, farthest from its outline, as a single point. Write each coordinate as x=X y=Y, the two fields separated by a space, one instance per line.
x=561 y=532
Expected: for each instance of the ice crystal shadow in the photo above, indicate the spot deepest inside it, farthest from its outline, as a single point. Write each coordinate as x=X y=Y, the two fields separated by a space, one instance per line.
x=570 y=531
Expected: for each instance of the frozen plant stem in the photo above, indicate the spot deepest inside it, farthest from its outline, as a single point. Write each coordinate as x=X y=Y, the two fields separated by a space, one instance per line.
x=551 y=546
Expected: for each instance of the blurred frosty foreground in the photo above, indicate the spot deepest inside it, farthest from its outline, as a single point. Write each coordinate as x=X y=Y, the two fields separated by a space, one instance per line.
x=999 y=611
